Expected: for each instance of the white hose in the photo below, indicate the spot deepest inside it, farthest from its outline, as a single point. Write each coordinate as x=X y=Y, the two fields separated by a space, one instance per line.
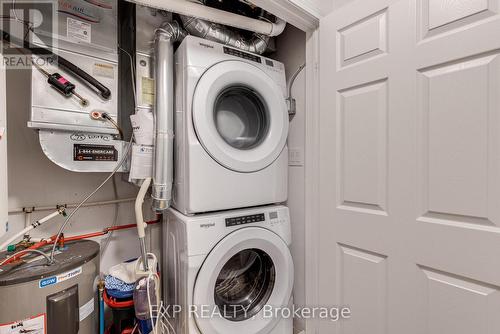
x=29 y=228
x=139 y=218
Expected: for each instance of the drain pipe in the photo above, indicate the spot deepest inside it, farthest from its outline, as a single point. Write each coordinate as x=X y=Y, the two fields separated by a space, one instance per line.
x=164 y=114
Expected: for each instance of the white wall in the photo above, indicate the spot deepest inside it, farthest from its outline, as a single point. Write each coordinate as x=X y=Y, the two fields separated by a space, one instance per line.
x=33 y=180
x=291 y=51
x=322 y=6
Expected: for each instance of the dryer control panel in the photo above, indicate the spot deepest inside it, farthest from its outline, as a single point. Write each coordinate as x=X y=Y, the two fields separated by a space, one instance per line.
x=242 y=54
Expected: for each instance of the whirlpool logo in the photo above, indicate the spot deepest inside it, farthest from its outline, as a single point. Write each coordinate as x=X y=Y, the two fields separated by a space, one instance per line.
x=207 y=45
x=208 y=225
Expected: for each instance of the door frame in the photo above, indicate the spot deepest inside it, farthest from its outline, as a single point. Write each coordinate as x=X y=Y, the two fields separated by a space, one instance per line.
x=306 y=18
x=312 y=175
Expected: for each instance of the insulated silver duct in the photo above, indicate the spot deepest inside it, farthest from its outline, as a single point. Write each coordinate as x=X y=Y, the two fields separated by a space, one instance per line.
x=258 y=43
x=164 y=114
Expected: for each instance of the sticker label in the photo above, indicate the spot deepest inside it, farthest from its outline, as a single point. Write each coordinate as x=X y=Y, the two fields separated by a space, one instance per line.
x=44 y=282
x=89 y=152
x=147 y=91
x=103 y=70
x=33 y=325
x=86 y=309
x=78 y=30
x=141 y=165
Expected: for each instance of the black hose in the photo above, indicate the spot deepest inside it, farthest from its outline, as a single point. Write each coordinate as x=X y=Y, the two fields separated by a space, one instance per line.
x=70 y=67
x=61 y=62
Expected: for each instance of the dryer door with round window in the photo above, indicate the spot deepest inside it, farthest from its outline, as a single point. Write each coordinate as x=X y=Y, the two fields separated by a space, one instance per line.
x=240 y=116
x=247 y=275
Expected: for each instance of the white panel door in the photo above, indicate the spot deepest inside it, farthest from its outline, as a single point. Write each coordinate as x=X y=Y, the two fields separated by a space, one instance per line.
x=409 y=234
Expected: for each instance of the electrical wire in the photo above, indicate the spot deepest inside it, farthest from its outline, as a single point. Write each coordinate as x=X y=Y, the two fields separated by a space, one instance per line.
x=162 y=314
x=161 y=317
x=110 y=119
x=150 y=276
x=27 y=251
x=132 y=74
x=292 y=79
x=115 y=219
x=120 y=163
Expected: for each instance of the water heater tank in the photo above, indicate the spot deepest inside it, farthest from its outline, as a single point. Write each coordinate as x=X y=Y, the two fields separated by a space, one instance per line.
x=55 y=299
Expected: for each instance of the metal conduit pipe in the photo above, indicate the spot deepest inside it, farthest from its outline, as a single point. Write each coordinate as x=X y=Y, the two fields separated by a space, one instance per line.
x=164 y=114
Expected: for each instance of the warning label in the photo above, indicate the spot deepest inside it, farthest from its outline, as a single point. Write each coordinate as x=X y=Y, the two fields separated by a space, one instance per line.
x=78 y=30
x=33 y=325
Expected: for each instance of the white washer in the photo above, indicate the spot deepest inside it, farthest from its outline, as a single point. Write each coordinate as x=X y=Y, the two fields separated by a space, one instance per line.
x=222 y=269
x=231 y=127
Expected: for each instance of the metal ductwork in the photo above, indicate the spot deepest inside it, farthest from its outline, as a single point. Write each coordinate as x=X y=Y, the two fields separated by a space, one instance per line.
x=165 y=36
x=256 y=43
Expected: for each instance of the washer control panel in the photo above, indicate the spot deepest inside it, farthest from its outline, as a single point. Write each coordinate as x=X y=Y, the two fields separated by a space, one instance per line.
x=241 y=220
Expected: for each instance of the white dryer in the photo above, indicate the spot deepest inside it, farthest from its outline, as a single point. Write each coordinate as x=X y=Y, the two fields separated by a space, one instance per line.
x=231 y=128
x=226 y=273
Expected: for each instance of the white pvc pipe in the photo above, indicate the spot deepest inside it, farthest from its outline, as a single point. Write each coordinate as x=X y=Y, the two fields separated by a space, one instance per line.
x=139 y=217
x=28 y=228
x=200 y=11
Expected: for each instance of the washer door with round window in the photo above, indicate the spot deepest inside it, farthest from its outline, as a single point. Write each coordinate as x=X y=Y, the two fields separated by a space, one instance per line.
x=240 y=116
x=246 y=277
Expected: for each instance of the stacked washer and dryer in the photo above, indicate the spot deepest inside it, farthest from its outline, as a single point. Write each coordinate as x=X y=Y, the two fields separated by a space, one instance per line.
x=227 y=261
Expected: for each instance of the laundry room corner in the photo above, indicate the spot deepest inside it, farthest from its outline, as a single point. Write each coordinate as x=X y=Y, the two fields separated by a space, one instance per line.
x=291 y=50
x=156 y=159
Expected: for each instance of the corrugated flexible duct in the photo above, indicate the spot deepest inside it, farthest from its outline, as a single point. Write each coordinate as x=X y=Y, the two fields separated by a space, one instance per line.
x=257 y=43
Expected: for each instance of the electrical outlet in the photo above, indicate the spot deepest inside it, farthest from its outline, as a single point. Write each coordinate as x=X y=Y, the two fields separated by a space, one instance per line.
x=295 y=156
